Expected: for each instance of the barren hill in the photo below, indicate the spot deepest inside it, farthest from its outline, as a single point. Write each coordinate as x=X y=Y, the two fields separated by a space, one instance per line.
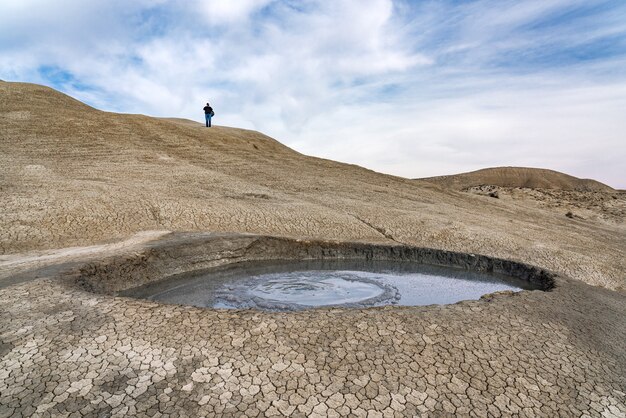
x=73 y=175
x=536 y=178
x=544 y=189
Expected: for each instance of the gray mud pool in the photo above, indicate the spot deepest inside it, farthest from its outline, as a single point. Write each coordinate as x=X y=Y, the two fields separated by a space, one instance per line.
x=295 y=285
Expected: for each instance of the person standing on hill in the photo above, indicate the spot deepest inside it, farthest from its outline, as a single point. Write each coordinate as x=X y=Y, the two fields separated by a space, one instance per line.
x=208 y=114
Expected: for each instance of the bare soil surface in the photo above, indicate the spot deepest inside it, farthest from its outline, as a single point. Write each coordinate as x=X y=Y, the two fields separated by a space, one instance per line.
x=608 y=207
x=88 y=197
x=69 y=348
x=71 y=175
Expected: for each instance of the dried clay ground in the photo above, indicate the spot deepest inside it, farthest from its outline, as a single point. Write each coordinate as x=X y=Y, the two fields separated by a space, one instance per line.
x=77 y=184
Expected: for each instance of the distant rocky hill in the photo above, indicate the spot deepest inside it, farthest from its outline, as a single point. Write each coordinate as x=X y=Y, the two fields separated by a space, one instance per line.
x=535 y=178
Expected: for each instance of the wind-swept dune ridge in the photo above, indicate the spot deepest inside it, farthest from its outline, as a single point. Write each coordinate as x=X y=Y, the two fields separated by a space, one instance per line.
x=73 y=175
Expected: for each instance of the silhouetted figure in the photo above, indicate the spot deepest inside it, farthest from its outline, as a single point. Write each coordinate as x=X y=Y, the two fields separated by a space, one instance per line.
x=208 y=114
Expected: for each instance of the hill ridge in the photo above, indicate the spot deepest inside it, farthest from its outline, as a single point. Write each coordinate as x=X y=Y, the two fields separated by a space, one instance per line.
x=510 y=176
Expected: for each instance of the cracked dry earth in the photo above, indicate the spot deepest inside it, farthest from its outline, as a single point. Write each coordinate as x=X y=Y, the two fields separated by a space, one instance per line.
x=84 y=188
x=68 y=352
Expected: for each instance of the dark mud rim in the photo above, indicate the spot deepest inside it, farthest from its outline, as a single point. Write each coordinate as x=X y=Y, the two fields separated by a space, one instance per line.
x=182 y=253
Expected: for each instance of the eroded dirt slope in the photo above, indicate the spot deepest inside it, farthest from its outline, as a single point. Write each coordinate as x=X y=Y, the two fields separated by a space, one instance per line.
x=72 y=175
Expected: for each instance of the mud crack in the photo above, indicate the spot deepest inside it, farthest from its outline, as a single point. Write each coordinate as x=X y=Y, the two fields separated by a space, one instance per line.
x=380 y=230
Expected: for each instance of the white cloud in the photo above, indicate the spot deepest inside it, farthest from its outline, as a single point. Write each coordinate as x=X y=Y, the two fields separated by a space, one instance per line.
x=410 y=88
x=224 y=12
x=575 y=130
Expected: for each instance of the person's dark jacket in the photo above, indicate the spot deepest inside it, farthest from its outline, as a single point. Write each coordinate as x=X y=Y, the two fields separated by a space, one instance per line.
x=208 y=110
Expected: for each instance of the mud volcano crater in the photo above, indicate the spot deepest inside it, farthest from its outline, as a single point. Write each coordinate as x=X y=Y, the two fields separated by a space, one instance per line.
x=241 y=271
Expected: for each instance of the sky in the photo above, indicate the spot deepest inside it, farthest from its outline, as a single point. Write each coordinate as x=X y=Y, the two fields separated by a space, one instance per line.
x=413 y=88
